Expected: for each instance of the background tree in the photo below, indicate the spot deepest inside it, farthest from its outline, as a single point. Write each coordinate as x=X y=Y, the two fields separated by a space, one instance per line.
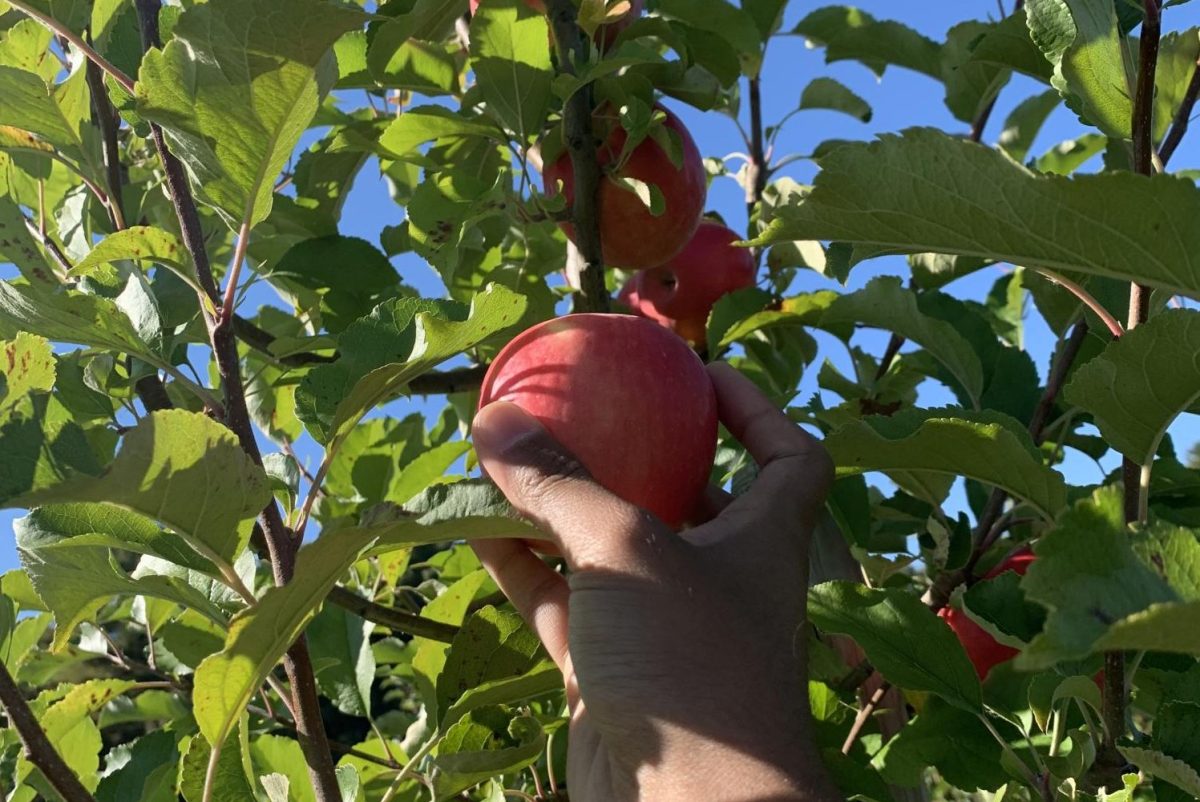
x=243 y=572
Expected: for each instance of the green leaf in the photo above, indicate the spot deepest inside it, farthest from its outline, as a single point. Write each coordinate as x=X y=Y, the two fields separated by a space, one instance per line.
x=1172 y=770
x=148 y=775
x=236 y=87
x=826 y=93
x=426 y=469
x=1068 y=156
x=74 y=584
x=258 y=638
x=971 y=83
x=495 y=659
x=512 y=65
x=389 y=53
x=229 y=780
x=449 y=608
x=74 y=318
x=885 y=304
x=926 y=191
x=66 y=526
x=422 y=124
x=732 y=24
x=140 y=244
x=902 y=638
x=1024 y=122
x=1142 y=382
x=1089 y=577
x=26 y=365
x=69 y=727
x=1009 y=44
x=1081 y=39
x=986 y=446
x=185 y=470
x=52 y=111
x=849 y=34
x=351 y=276
x=399 y=341
x=341 y=650
x=999 y=606
x=283 y=758
x=17 y=244
x=43 y=446
x=487 y=743
x=1177 y=56
x=970 y=760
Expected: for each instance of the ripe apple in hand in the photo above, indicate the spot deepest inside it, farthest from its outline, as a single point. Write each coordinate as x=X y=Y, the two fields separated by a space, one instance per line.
x=984 y=651
x=681 y=293
x=627 y=397
x=630 y=235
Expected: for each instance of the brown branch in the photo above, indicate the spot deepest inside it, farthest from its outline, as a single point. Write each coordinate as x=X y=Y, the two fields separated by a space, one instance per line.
x=756 y=180
x=392 y=618
x=864 y=715
x=38 y=748
x=281 y=546
x=986 y=531
x=580 y=140
x=105 y=117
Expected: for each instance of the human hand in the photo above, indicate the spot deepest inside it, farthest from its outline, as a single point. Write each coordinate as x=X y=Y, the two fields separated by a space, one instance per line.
x=684 y=665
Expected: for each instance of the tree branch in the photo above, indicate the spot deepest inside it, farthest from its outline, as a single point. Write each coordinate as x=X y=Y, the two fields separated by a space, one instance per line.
x=756 y=181
x=580 y=140
x=939 y=593
x=280 y=544
x=38 y=748
x=392 y=618
x=1114 y=697
x=864 y=715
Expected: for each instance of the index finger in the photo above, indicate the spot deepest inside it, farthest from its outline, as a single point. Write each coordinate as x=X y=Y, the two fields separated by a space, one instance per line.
x=795 y=470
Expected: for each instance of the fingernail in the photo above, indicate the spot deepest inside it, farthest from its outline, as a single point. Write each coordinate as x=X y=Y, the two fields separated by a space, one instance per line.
x=501 y=427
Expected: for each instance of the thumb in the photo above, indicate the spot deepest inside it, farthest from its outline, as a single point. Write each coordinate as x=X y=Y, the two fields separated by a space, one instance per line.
x=549 y=485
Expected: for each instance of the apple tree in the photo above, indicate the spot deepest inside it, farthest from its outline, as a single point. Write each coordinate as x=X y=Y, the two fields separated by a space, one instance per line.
x=237 y=435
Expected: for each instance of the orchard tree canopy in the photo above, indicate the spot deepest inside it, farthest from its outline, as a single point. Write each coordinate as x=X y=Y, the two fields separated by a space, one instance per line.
x=238 y=436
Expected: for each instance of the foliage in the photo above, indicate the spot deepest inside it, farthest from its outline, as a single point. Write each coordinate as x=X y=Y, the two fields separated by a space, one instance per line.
x=163 y=583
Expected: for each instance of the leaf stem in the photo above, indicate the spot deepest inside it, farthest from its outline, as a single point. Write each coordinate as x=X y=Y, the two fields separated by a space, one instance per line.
x=573 y=49
x=1110 y=322
x=38 y=749
x=235 y=269
x=62 y=30
x=864 y=715
x=1183 y=117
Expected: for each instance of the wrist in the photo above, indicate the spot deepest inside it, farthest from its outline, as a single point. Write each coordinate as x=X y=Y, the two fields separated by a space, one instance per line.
x=692 y=768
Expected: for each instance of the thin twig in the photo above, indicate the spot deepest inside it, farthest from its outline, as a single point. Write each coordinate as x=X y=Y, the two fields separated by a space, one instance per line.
x=38 y=748
x=235 y=269
x=756 y=165
x=864 y=715
x=108 y=125
x=1088 y=300
x=62 y=30
x=392 y=618
x=580 y=140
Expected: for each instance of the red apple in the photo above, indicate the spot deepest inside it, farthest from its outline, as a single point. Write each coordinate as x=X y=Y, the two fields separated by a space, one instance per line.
x=627 y=397
x=984 y=651
x=681 y=293
x=606 y=34
x=630 y=235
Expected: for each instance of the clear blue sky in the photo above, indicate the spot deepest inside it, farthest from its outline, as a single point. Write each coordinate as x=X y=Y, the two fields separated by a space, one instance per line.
x=900 y=100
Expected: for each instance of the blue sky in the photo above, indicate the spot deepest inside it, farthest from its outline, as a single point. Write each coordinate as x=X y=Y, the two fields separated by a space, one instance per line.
x=900 y=100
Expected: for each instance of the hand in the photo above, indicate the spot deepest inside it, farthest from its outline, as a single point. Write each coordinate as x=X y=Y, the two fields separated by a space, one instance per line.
x=683 y=660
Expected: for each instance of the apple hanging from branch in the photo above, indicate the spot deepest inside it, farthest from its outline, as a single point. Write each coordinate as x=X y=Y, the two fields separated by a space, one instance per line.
x=635 y=234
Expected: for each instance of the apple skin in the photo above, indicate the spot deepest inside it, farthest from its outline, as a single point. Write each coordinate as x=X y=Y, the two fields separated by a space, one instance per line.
x=629 y=399
x=632 y=237
x=984 y=651
x=681 y=293
x=606 y=34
